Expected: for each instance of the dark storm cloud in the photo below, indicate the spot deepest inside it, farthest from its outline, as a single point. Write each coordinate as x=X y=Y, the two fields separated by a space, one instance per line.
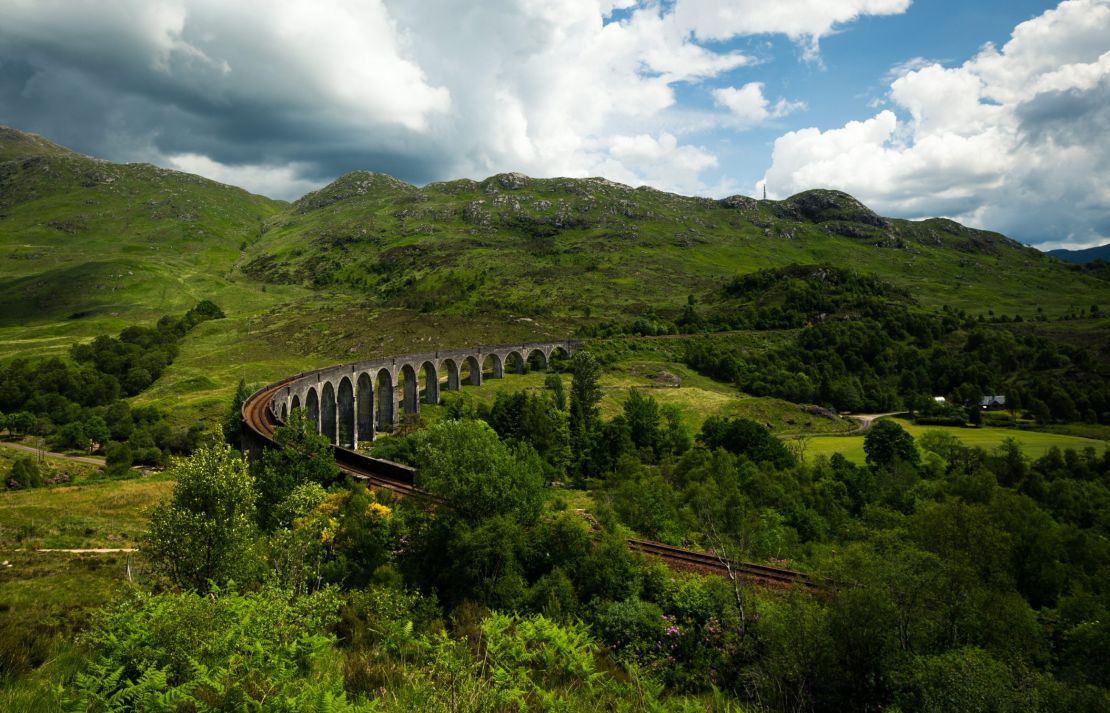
x=1071 y=117
x=130 y=118
x=136 y=81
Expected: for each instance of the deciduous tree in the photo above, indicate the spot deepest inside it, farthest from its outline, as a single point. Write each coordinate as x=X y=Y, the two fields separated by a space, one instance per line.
x=203 y=534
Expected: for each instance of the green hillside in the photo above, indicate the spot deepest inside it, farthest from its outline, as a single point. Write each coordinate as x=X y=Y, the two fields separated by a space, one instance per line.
x=578 y=247
x=87 y=245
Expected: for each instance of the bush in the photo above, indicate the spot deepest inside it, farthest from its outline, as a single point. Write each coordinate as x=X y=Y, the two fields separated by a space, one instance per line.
x=25 y=473
x=118 y=458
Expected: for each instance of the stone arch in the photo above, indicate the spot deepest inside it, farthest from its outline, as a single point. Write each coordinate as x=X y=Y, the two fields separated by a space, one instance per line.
x=295 y=403
x=557 y=354
x=364 y=409
x=284 y=412
x=537 y=360
x=345 y=412
x=385 y=400
x=411 y=394
x=475 y=370
x=514 y=362
x=328 y=425
x=497 y=367
x=452 y=369
x=312 y=409
x=431 y=382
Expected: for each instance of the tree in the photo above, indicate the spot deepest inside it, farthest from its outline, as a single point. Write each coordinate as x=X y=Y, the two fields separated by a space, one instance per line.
x=744 y=436
x=465 y=463
x=203 y=534
x=555 y=383
x=96 y=430
x=888 y=442
x=302 y=456
x=72 y=435
x=118 y=457
x=642 y=413
x=585 y=393
x=20 y=423
x=233 y=420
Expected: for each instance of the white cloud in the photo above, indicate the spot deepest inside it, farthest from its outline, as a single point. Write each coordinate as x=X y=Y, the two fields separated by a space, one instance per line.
x=430 y=89
x=280 y=180
x=657 y=160
x=328 y=59
x=750 y=107
x=1013 y=140
x=802 y=20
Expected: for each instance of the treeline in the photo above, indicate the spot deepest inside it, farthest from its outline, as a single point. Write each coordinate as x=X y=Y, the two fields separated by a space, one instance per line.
x=79 y=405
x=781 y=298
x=799 y=296
x=872 y=365
x=955 y=573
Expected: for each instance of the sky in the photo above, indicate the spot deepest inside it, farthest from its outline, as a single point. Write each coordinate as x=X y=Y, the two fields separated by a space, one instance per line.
x=994 y=113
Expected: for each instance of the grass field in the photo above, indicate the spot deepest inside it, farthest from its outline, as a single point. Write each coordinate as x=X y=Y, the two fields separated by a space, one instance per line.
x=103 y=514
x=51 y=467
x=48 y=598
x=1034 y=443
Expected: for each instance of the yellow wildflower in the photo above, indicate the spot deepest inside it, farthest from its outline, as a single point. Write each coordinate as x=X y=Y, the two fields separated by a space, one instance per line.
x=377 y=510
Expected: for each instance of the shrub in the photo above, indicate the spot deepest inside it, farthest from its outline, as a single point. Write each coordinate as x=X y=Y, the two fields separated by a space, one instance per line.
x=25 y=473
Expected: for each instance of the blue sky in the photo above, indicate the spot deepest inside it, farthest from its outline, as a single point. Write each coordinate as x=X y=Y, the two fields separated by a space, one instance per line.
x=852 y=71
x=992 y=113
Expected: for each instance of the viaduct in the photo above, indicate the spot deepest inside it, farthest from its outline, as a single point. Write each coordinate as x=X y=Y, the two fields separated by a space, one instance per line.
x=352 y=402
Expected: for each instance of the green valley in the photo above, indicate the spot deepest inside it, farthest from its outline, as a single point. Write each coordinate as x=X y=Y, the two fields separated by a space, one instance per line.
x=909 y=419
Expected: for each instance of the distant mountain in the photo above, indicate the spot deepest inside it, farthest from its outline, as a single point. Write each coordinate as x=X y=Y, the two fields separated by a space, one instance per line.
x=563 y=247
x=83 y=238
x=1080 y=257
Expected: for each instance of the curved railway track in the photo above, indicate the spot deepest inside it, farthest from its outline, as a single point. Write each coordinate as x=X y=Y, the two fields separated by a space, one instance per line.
x=260 y=422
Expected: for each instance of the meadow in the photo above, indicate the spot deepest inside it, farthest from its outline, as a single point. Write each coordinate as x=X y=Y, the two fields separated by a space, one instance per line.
x=1033 y=443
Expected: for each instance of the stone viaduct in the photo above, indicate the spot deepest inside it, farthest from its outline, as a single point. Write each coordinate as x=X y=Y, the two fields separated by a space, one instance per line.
x=352 y=402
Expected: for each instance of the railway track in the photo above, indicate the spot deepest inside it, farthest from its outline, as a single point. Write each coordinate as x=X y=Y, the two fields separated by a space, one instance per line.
x=259 y=420
x=710 y=563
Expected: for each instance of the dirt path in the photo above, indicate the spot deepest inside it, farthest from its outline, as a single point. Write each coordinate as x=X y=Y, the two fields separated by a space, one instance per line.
x=35 y=451
x=866 y=420
x=94 y=550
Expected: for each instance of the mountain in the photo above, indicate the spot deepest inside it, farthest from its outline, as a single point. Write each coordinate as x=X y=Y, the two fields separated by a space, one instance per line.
x=575 y=247
x=1080 y=257
x=83 y=238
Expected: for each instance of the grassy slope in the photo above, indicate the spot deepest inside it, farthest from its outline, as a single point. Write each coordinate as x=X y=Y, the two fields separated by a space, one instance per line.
x=47 y=598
